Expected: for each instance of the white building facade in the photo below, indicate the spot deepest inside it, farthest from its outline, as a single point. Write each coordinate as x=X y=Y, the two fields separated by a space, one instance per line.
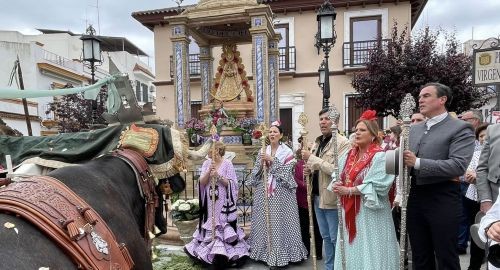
x=52 y=60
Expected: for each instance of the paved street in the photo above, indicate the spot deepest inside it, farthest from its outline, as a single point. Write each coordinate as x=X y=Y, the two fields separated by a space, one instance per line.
x=464 y=261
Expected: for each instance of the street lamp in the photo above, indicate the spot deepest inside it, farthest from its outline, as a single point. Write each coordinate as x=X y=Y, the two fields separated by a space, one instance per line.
x=321 y=81
x=92 y=55
x=325 y=39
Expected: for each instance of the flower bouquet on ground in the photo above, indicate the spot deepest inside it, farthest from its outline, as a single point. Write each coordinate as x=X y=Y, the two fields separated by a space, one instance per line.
x=183 y=210
x=185 y=214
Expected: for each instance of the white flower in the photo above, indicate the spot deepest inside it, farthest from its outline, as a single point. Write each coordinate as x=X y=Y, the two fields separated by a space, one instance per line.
x=184 y=207
x=175 y=205
x=194 y=202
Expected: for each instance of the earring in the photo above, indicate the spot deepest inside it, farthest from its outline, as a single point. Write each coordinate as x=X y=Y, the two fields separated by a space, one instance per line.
x=373 y=139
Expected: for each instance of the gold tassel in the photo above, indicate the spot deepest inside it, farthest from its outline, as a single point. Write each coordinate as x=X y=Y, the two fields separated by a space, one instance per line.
x=90 y=217
x=72 y=230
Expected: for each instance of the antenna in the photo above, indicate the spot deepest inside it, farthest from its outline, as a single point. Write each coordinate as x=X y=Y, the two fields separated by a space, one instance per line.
x=98 y=20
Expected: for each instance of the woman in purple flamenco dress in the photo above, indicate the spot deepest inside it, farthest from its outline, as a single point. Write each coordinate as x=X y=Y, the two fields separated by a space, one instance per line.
x=228 y=248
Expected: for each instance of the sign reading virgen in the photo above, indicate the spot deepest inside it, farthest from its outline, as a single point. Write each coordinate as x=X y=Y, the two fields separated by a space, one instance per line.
x=487 y=67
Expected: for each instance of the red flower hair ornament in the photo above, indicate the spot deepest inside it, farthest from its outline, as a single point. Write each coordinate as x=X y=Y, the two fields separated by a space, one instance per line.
x=370 y=115
x=276 y=123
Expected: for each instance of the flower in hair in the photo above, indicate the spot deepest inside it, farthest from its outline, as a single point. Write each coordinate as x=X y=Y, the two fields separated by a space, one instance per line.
x=370 y=115
x=276 y=123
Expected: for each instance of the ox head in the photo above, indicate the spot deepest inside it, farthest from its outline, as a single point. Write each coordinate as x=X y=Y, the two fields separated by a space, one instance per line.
x=167 y=186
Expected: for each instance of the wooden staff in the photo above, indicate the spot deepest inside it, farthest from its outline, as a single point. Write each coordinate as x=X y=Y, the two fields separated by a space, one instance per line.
x=406 y=110
x=263 y=129
x=334 y=116
x=312 y=247
x=213 y=132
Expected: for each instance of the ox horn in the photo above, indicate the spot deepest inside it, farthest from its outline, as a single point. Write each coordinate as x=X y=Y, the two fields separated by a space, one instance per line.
x=200 y=153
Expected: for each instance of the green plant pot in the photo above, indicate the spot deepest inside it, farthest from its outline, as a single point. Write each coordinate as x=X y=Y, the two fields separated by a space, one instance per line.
x=246 y=139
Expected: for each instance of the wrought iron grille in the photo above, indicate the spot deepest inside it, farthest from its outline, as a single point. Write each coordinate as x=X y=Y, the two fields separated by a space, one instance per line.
x=286 y=61
x=193 y=65
x=287 y=57
x=357 y=53
x=244 y=200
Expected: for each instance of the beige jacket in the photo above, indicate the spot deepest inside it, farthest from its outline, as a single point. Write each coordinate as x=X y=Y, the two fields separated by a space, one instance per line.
x=325 y=164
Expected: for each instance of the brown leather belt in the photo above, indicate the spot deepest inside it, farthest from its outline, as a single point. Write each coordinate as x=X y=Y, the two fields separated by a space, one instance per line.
x=146 y=184
x=68 y=220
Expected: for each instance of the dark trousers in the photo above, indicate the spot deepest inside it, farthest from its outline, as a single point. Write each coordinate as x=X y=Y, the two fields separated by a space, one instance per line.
x=304 y=231
x=476 y=253
x=433 y=220
x=463 y=229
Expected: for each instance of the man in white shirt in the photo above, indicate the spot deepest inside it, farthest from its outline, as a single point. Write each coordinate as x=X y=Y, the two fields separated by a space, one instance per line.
x=440 y=151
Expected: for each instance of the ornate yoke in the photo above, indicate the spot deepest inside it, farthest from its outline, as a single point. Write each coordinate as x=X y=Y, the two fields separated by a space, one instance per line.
x=69 y=221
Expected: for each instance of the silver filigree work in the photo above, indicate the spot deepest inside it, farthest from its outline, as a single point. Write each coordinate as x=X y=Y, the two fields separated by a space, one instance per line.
x=99 y=243
x=407 y=107
x=334 y=115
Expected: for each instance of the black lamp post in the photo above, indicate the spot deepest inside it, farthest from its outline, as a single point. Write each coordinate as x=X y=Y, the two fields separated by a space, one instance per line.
x=92 y=55
x=321 y=81
x=325 y=39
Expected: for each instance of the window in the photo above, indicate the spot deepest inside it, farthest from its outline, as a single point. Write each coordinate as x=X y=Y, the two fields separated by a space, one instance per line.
x=353 y=112
x=286 y=123
x=365 y=28
x=144 y=93
x=286 y=59
x=138 y=90
x=193 y=46
x=284 y=30
x=195 y=109
x=152 y=93
x=364 y=37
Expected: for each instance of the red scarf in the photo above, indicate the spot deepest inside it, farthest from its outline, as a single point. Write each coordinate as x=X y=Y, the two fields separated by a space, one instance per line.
x=351 y=204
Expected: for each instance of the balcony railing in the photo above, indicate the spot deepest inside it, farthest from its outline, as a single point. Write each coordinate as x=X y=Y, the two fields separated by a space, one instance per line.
x=193 y=65
x=287 y=58
x=243 y=202
x=357 y=53
x=53 y=58
x=286 y=61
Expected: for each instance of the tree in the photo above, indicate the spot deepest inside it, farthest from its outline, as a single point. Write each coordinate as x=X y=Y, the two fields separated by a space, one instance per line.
x=406 y=64
x=74 y=113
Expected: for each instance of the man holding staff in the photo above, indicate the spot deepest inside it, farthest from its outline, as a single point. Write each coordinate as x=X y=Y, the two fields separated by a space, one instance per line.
x=320 y=162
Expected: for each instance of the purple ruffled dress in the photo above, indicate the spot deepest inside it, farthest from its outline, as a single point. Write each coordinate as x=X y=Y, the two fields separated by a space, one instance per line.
x=229 y=238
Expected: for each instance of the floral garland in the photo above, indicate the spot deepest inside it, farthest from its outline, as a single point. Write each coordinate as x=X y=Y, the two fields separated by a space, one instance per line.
x=241 y=72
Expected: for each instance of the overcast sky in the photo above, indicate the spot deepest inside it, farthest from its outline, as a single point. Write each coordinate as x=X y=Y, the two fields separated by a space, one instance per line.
x=461 y=16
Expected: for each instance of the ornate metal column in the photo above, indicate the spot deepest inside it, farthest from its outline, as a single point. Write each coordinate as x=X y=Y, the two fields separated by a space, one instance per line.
x=206 y=73
x=260 y=68
x=180 y=42
x=273 y=79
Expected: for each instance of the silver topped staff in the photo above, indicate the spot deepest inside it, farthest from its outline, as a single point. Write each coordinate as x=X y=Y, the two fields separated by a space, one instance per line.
x=264 y=131
x=213 y=180
x=334 y=116
x=406 y=110
x=303 y=133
